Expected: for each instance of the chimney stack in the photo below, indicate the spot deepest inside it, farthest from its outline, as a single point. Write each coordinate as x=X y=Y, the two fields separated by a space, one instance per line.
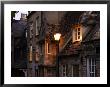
x=23 y=16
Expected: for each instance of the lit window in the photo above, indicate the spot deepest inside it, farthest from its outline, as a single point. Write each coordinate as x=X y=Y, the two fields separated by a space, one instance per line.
x=37 y=33
x=64 y=70
x=37 y=51
x=78 y=35
x=48 y=48
x=30 y=59
x=91 y=67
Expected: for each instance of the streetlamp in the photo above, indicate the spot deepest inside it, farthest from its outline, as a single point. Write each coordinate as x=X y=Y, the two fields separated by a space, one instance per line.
x=57 y=38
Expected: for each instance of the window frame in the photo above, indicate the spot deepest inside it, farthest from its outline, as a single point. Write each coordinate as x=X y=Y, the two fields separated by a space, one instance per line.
x=48 y=48
x=91 y=66
x=64 y=70
x=37 y=28
x=78 y=33
x=30 y=57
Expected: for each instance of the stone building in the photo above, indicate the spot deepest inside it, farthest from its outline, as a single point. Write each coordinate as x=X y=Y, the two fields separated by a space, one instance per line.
x=19 y=47
x=81 y=55
x=90 y=46
x=41 y=43
x=75 y=30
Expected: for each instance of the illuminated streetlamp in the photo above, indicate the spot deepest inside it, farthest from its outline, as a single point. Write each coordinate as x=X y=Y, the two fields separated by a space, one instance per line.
x=57 y=38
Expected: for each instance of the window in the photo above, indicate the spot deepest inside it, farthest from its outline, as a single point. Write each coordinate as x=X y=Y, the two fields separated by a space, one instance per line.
x=37 y=33
x=48 y=48
x=64 y=70
x=78 y=34
x=91 y=67
x=75 y=71
x=37 y=52
x=26 y=33
x=31 y=28
x=30 y=59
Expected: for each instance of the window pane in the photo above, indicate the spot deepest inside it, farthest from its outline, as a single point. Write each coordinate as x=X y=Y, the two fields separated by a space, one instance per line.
x=75 y=35
x=78 y=37
x=49 y=48
x=78 y=33
x=89 y=61
x=92 y=66
x=91 y=74
x=64 y=71
x=78 y=29
x=89 y=68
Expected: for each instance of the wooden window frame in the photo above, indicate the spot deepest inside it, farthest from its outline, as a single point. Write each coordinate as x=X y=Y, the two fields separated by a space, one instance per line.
x=78 y=34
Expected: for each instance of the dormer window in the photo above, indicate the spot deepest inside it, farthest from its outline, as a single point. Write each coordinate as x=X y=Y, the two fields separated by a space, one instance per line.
x=77 y=34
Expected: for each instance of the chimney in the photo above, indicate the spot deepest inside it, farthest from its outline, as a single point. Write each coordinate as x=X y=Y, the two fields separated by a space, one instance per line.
x=23 y=16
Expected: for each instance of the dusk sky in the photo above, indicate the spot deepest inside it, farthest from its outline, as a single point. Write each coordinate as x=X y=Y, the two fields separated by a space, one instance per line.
x=18 y=15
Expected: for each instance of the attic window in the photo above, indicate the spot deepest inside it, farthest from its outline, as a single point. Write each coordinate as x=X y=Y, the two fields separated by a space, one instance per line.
x=78 y=34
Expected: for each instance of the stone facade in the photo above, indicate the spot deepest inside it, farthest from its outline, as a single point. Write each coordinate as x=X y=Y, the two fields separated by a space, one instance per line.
x=85 y=52
x=73 y=45
x=90 y=50
x=43 y=51
x=18 y=48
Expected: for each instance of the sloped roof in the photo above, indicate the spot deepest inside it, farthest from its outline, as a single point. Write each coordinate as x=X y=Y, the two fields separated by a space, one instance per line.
x=70 y=49
x=93 y=34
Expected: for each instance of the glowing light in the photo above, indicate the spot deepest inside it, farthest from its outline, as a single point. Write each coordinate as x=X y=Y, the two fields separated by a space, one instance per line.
x=57 y=36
